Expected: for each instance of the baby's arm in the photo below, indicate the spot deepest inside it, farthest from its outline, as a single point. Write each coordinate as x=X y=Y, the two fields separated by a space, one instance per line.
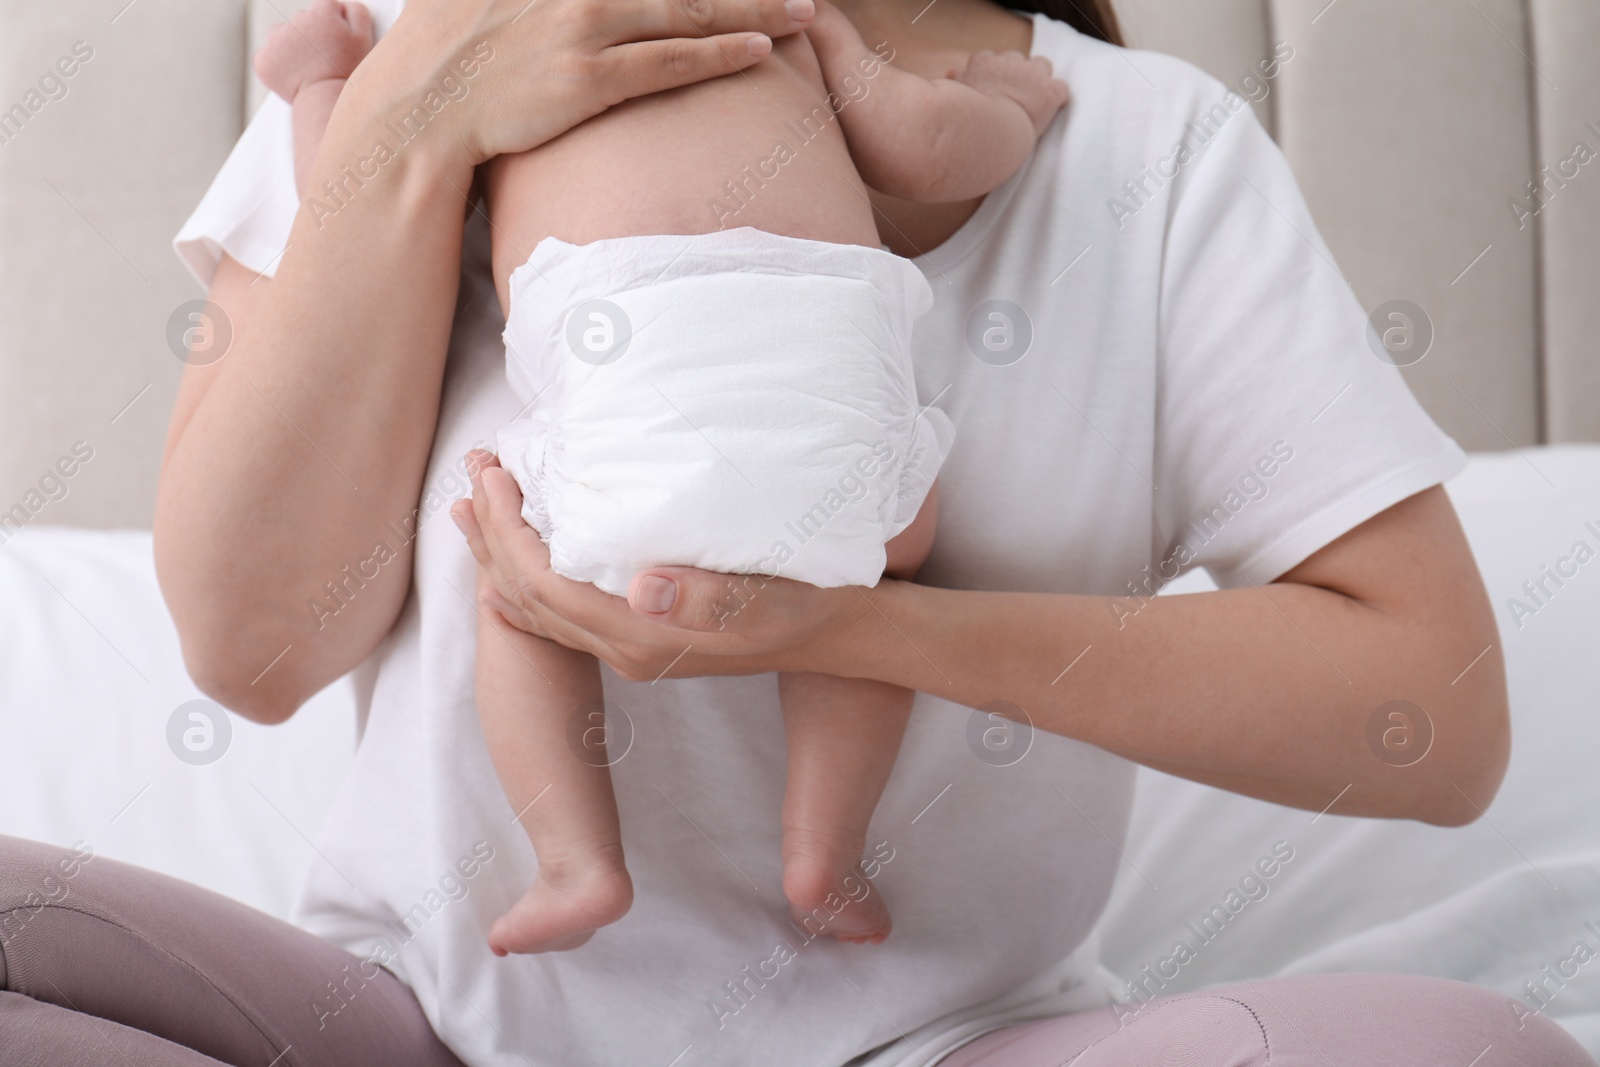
x=936 y=141
x=307 y=61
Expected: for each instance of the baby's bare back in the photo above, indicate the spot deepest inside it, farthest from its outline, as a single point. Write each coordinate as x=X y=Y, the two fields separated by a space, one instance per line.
x=760 y=148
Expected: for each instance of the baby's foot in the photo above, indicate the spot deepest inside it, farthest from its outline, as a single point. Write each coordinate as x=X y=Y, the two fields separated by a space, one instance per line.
x=1014 y=76
x=325 y=41
x=827 y=891
x=566 y=904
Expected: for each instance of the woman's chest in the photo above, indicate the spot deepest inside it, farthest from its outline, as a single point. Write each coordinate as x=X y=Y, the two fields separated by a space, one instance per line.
x=1053 y=389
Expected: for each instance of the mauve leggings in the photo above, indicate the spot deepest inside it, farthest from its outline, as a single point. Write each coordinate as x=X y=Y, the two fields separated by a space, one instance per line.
x=102 y=963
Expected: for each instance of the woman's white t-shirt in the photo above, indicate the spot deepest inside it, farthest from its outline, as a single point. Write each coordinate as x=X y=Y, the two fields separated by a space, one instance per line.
x=1144 y=378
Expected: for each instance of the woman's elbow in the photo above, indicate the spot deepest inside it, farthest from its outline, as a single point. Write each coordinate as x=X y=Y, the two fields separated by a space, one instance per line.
x=1467 y=780
x=222 y=661
x=1466 y=799
x=220 y=675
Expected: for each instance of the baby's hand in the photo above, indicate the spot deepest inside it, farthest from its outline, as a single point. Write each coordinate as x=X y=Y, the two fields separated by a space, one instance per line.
x=1014 y=76
x=326 y=40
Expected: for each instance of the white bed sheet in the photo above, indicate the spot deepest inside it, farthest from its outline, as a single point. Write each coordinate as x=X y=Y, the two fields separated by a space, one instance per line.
x=90 y=674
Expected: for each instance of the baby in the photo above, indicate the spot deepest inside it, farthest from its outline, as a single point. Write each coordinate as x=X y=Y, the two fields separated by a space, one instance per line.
x=714 y=348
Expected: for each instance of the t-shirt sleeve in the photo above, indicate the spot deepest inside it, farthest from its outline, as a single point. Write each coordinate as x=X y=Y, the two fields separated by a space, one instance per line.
x=1279 y=428
x=249 y=208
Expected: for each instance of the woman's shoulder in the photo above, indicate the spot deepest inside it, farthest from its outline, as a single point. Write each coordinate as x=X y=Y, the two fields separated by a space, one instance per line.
x=1142 y=125
x=1132 y=94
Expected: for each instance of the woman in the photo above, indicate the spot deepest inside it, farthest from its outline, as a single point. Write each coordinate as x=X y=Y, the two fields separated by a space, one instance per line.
x=1179 y=382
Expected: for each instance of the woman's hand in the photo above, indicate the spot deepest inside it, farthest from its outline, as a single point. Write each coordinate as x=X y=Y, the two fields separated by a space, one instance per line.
x=541 y=67
x=675 y=620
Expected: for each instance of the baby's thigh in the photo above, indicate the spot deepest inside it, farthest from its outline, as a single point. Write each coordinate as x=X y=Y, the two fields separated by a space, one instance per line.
x=909 y=549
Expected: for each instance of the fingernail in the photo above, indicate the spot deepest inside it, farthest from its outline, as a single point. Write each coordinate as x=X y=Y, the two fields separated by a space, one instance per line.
x=761 y=44
x=656 y=594
x=799 y=10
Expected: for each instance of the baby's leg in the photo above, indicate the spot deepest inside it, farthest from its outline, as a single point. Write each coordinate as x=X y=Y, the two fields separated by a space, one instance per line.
x=844 y=735
x=938 y=141
x=529 y=693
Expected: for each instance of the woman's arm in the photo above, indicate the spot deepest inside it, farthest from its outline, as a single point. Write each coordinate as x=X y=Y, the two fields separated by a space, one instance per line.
x=288 y=459
x=1263 y=691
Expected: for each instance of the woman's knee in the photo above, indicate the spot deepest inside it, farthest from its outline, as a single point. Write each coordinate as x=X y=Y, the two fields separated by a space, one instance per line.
x=1209 y=1031
x=1376 y=1020
x=34 y=878
x=33 y=1033
x=124 y=945
x=1383 y=1019
x=1519 y=1033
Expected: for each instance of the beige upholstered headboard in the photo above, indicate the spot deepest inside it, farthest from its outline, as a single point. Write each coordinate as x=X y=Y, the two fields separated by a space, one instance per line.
x=1415 y=129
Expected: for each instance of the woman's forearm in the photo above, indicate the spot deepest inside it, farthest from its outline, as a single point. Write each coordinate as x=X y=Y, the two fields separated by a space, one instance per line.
x=305 y=450
x=1269 y=692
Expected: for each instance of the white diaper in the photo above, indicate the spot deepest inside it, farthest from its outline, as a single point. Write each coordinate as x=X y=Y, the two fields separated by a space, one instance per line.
x=737 y=401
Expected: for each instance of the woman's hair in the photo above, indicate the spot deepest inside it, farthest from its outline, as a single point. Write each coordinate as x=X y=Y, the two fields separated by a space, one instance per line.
x=1095 y=18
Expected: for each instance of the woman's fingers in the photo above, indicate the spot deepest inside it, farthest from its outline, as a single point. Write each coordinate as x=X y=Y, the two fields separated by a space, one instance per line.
x=691 y=599
x=505 y=546
x=522 y=564
x=514 y=545
x=624 y=21
x=466 y=521
x=746 y=616
x=671 y=43
x=632 y=70
x=492 y=522
x=547 y=66
x=479 y=504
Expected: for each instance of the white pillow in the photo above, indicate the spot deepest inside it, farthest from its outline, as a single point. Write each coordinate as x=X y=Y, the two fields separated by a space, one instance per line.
x=90 y=676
